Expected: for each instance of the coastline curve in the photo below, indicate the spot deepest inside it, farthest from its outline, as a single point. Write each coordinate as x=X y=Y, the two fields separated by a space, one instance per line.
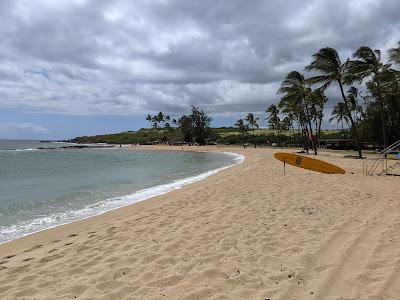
x=25 y=228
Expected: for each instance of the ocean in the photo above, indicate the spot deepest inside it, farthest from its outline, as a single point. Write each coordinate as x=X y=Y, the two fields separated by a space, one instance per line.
x=46 y=184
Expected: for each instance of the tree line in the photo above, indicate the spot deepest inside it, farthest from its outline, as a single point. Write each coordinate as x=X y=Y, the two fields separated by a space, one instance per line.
x=364 y=76
x=193 y=127
x=369 y=102
x=249 y=123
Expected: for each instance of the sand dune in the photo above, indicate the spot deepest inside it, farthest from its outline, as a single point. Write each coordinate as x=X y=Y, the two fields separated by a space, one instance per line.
x=249 y=232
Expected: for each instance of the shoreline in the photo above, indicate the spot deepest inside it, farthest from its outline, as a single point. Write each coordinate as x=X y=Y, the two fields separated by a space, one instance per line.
x=248 y=232
x=144 y=194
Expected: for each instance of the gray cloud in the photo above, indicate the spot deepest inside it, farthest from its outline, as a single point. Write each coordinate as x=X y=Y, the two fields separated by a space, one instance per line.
x=134 y=57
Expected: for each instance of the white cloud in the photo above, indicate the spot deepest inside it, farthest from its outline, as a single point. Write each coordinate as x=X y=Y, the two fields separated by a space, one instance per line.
x=25 y=127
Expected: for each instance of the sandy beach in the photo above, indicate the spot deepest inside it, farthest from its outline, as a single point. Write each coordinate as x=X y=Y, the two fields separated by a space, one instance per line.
x=248 y=232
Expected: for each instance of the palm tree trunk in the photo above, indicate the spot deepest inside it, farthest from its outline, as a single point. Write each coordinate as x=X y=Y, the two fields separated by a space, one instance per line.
x=254 y=140
x=316 y=134
x=306 y=138
x=344 y=136
x=353 y=125
x=294 y=136
x=309 y=124
x=382 y=113
x=298 y=136
x=279 y=137
x=319 y=130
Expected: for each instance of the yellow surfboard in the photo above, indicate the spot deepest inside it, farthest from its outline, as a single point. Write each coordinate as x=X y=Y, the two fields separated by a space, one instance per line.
x=308 y=163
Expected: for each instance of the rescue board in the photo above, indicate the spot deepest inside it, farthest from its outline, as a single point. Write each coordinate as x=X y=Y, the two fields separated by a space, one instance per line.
x=308 y=163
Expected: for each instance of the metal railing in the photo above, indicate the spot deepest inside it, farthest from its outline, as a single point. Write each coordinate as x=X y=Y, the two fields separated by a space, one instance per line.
x=369 y=167
x=391 y=168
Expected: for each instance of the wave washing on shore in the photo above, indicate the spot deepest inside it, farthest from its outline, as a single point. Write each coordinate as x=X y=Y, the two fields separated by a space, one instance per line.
x=43 y=189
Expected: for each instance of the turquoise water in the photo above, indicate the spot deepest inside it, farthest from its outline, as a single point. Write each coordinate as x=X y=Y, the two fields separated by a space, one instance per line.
x=40 y=189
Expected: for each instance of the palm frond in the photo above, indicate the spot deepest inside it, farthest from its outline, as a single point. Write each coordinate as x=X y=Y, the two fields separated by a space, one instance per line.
x=394 y=55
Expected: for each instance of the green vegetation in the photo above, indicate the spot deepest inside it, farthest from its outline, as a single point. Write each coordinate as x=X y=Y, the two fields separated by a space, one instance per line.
x=142 y=136
x=252 y=125
x=223 y=136
x=242 y=128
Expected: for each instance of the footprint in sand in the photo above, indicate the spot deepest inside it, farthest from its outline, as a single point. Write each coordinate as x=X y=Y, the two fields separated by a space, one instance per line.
x=28 y=259
x=50 y=258
x=10 y=256
x=112 y=228
x=121 y=273
x=34 y=248
x=56 y=241
x=67 y=244
x=72 y=235
x=52 y=250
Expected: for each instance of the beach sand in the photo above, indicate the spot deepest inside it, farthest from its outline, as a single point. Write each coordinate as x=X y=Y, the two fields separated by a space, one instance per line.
x=248 y=232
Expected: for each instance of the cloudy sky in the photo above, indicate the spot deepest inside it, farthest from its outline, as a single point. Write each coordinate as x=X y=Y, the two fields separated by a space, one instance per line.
x=77 y=67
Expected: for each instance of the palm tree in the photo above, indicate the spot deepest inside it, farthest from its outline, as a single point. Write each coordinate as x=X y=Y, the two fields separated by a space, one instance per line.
x=252 y=123
x=394 y=80
x=393 y=75
x=291 y=120
x=273 y=118
x=328 y=64
x=294 y=89
x=149 y=118
x=287 y=124
x=318 y=101
x=242 y=128
x=155 y=121
x=165 y=119
x=352 y=99
x=295 y=111
x=369 y=64
x=160 y=118
x=340 y=115
x=394 y=54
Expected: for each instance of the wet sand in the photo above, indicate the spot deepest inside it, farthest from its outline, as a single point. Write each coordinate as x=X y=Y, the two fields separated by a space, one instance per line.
x=248 y=232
